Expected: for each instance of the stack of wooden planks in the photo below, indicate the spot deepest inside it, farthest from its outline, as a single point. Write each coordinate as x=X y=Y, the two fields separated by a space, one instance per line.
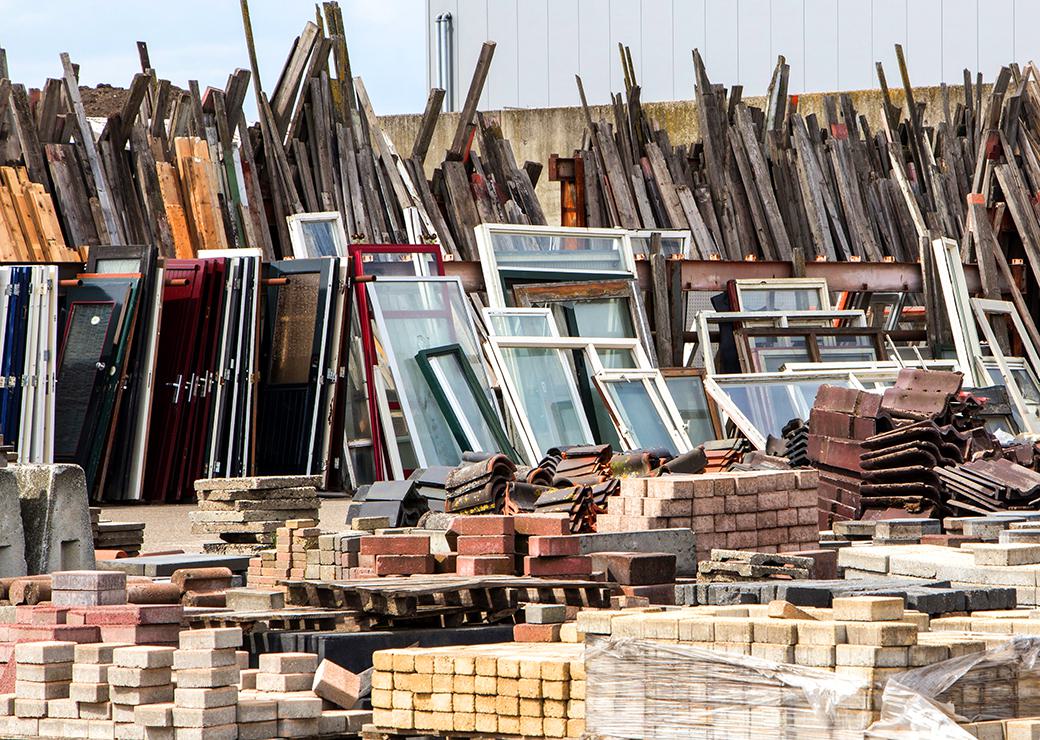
x=182 y=169
x=29 y=228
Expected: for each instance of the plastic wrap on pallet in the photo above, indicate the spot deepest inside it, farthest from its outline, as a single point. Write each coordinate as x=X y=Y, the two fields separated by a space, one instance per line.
x=1002 y=682
x=666 y=691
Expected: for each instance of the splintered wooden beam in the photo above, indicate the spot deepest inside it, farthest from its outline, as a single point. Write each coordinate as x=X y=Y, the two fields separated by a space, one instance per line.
x=428 y=124
x=86 y=137
x=464 y=131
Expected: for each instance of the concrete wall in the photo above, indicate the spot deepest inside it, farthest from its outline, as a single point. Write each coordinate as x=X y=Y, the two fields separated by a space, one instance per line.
x=535 y=133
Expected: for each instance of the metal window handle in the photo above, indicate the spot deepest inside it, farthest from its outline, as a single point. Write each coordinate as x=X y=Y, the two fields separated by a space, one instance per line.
x=176 y=388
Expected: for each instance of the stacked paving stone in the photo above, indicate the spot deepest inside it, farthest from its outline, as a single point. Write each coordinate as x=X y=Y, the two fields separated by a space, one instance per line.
x=337 y=556
x=247 y=512
x=207 y=673
x=542 y=623
x=862 y=640
x=139 y=675
x=1009 y=565
x=766 y=511
x=90 y=691
x=88 y=588
x=396 y=554
x=485 y=545
x=288 y=558
x=286 y=679
x=509 y=689
x=43 y=673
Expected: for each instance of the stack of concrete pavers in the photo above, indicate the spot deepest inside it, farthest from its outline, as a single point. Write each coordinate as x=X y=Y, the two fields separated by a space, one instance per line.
x=247 y=512
x=88 y=588
x=139 y=675
x=288 y=679
x=205 y=704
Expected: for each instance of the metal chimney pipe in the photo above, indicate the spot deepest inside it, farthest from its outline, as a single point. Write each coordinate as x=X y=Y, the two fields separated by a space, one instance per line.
x=446 y=59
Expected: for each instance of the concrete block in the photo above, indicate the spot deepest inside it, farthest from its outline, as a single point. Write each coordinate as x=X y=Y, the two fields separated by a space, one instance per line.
x=12 y=533
x=542 y=614
x=210 y=639
x=204 y=717
x=282 y=682
x=154 y=715
x=204 y=678
x=299 y=707
x=288 y=662
x=680 y=542
x=340 y=686
x=867 y=609
x=187 y=659
x=88 y=580
x=45 y=652
x=250 y=599
x=205 y=698
x=143 y=656
x=1006 y=554
x=257 y=710
x=55 y=517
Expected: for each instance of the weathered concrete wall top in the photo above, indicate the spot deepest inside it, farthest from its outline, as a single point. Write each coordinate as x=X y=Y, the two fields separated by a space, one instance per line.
x=535 y=133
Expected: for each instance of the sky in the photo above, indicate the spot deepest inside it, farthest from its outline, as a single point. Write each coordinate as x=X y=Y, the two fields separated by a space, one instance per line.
x=203 y=40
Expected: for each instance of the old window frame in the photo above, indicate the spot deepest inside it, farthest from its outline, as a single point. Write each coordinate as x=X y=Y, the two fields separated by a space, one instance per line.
x=660 y=398
x=297 y=240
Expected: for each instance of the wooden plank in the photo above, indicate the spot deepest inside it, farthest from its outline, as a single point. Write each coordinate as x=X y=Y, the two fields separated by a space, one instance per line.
x=34 y=241
x=73 y=200
x=461 y=208
x=180 y=232
x=428 y=125
x=86 y=137
x=283 y=98
x=25 y=127
x=464 y=130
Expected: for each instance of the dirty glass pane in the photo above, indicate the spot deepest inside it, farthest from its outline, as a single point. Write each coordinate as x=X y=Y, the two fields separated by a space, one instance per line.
x=632 y=400
x=691 y=400
x=555 y=252
x=548 y=396
x=85 y=341
x=455 y=386
x=409 y=264
x=413 y=315
x=319 y=238
x=292 y=342
x=670 y=245
x=780 y=299
x=770 y=404
x=770 y=354
x=519 y=325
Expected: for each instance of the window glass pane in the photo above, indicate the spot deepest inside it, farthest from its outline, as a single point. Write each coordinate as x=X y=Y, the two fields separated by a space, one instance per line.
x=555 y=252
x=770 y=354
x=292 y=341
x=414 y=315
x=670 y=245
x=394 y=264
x=639 y=414
x=454 y=384
x=779 y=299
x=688 y=393
x=519 y=325
x=547 y=394
x=769 y=405
x=600 y=317
x=319 y=238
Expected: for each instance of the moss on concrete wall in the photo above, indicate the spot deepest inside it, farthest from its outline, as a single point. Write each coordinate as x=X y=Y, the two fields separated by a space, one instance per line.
x=535 y=133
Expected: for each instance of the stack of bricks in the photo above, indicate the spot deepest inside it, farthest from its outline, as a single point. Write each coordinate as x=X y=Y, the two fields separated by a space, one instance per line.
x=286 y=679
x=207 y=673
x=396 y=555
x=767 y=511
x=288 y=559
x=337 y=556
x=542 y=623
x=90 y=691
x=88 y=588
x=139 y=675
x=43 y=673
x=528 y=689
x=205 y=587
x=247 y=512
x=648 y=575
x=862 y=641
x=485 y=545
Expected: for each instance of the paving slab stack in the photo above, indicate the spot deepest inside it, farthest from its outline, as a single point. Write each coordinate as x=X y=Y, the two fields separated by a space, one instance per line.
x=245 y=513
x=767 y=511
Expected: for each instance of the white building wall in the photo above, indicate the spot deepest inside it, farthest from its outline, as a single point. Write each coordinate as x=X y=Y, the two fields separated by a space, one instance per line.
x=830 y=44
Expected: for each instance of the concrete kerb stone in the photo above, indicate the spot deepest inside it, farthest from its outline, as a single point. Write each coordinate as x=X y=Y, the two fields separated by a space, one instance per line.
x=55 y=517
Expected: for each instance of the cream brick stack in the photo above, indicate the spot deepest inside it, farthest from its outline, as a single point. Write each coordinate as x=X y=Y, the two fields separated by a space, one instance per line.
x=288 y=559
x=139 y=675
x=43 y=672
x=286 y=679
x=337 y=554
x=206 y=668
x=90 y=691
x=766 y=511
x=529 y=689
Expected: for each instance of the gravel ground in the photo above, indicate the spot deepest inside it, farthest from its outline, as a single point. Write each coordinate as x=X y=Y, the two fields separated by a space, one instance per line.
x=167 y=526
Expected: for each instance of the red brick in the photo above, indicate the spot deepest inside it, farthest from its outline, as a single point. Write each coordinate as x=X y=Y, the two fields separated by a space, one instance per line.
x=725 y=522
x=129 y=615
x=741 y=504
x=503 y=544
x=546 y=546
x=708 y=505
x=746 y=540
x=787 y=517
x=662 y=593
x=404 y=544
x=747 y=521
x=201 y=579
x=485 y=565
x=765 y=519
x=804 y=533
x=536 y=632
x=41 y=614
x=207 y=599
x=569 y=566
x=773 y=536
x=542 y=524
x=481 y=524
x=37 y=633
x=403 y=565
x=798 y=499
x=807 y=516
x=635 y=568
x=772 y=500
x=142 y=634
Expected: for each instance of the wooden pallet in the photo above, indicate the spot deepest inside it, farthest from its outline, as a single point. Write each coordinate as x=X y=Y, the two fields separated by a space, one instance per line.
x=409 y=596
x=372 y=732
x=281 y=619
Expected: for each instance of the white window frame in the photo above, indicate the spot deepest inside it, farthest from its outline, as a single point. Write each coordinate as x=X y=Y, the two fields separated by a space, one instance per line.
x=489 y=313
x=296 y=237
x=984 y=308
x=753 y=285
x=659 y=395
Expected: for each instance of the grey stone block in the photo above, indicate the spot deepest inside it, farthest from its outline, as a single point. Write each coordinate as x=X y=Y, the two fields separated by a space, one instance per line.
x=681 y=542
x=161 y=566
x=55 y=517
x=545 y=613
x=12 y=534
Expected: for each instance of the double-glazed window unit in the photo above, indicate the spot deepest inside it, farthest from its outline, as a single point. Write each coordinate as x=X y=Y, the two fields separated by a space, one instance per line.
x=412 y=315
x=511 y=254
